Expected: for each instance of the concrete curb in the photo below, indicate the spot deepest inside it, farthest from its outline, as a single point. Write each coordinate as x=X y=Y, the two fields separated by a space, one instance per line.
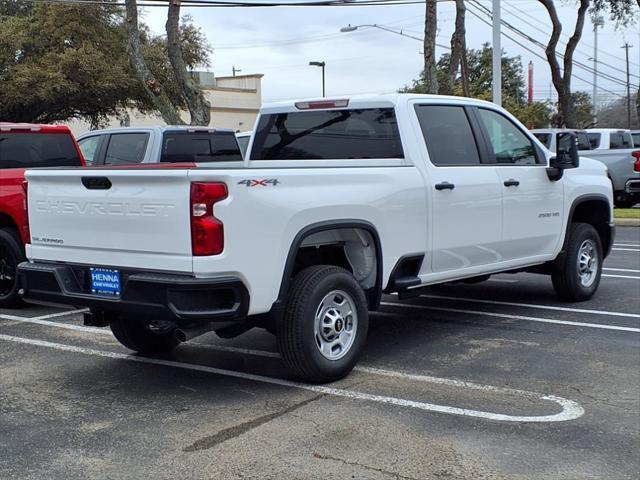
x=627 y=222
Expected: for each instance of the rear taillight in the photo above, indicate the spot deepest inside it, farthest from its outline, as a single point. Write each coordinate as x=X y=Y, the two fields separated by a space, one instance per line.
x=207 y=232
x=636 y=164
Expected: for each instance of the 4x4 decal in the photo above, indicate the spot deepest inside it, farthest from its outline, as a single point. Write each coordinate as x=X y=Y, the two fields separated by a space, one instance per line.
x=262 y=182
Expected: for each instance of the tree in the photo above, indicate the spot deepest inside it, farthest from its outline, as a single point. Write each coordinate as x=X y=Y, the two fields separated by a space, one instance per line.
x=623 y=12
x=430 y=30
x=150 y=85
x=199 y=108
x=479 y=84
x=615 y=114
x=458 y=52
x=63 y=61
x=562 y=79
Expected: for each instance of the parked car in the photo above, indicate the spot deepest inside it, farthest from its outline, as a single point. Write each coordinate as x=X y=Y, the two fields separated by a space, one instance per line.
x=548 y=137
x=243 y=141
x=337 y=202
x=161 y=144
x=25 y=146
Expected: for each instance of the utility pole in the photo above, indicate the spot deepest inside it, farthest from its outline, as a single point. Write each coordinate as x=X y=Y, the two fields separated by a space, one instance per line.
x=496 y=54
x=235 y=70
x=626 y=47
x=597 y=22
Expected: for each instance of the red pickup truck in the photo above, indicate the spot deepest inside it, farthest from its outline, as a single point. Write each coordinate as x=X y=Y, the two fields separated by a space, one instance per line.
x=25 y=146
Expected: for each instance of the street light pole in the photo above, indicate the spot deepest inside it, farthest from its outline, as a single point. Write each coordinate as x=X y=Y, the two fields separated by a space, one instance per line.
x=322 y=65
x=496 y=54
x=626 y=51
x=597 y=22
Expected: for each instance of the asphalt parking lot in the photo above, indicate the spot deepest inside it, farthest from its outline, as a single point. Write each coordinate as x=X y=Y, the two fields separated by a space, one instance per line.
x=496 y=380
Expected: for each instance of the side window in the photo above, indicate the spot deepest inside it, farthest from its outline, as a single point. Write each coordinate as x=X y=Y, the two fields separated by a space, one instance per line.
x=594 y=140
x=126 y=148
x=636 y=139
x=510 y=144
x=448 y=135
x=89 y=148
x=620 y=140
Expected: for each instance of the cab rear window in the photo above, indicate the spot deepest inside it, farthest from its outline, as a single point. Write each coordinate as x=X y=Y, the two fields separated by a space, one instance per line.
x=32 y=150
x=199 y=147
x=328 y=135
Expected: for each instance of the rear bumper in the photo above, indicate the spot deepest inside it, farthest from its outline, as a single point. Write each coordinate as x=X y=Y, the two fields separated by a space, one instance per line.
x=182 y=299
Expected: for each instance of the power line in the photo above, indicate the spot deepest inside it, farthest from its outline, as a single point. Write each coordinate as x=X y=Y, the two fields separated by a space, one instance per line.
x=482 y=19
x=620 y=70
x=543 y=46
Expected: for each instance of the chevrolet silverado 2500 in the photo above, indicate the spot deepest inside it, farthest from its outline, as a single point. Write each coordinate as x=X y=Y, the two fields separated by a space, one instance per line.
x=336 y=203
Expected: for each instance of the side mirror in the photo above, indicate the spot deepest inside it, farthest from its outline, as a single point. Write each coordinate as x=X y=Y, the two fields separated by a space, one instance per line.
x=566 y=155
x=566 y=151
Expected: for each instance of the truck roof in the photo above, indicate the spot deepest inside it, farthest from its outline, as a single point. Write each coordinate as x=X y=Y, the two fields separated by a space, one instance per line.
x=364 y=101
x=158 y=128
x=33 y=127
x=607 y=130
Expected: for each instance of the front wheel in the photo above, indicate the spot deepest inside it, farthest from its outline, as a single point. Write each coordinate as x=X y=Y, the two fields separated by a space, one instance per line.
x=135 y=335
x=325 y=324
x=576 y=275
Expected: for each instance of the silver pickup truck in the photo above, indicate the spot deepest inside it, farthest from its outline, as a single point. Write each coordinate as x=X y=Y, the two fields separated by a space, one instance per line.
x=614 y=148
x=159 y=144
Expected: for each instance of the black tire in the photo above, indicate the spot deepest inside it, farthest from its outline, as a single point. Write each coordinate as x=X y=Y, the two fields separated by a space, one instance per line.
x=625 y=200
x=135 y=335
x=11 y=254
x=296 y=338
x=566 y=272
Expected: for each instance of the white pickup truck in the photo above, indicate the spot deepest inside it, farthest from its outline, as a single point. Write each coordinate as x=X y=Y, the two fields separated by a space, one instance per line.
x=338 y=202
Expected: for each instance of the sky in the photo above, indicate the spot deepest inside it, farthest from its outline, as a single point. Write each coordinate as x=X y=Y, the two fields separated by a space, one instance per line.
x=280 y=42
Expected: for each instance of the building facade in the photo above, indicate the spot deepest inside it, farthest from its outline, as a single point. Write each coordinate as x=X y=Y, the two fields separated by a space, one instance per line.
x=235 y=102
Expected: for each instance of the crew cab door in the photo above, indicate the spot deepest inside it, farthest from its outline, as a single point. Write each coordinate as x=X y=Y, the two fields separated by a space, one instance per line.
x=465 y=196
x=532 y=205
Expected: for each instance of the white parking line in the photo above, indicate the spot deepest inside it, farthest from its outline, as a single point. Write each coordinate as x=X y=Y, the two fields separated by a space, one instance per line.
x=515 y=317
x=621 y=276
x=631 y=270
x=502 y=280
x=533 y=305
x=626 y=245
x=570 y=409
x=626 y=249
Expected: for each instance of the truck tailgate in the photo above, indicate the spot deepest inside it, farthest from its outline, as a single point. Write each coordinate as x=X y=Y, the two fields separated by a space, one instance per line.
x=126 y=218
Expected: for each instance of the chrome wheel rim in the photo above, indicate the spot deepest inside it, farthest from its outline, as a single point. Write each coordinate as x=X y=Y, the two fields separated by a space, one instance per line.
x=587 y=263
x=335 y=325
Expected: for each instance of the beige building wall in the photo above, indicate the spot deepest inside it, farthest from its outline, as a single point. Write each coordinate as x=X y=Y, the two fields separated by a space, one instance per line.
x=235 y=104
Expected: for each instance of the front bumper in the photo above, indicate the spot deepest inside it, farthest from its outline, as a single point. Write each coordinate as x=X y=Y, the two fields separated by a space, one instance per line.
x=182 y=299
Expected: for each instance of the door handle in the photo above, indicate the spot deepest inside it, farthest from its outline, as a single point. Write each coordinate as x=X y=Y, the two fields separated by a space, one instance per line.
x=96 y=183
x=511 y=183
x=445 y=186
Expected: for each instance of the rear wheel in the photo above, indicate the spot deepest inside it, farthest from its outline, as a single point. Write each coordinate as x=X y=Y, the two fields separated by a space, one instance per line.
x=136 y=335
x=325 y=324
x=11 y=255
x=577 y=275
